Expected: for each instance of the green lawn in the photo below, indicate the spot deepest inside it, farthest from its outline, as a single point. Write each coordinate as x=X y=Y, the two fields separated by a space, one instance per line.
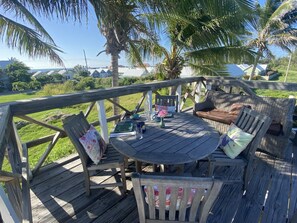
x=291 y=78
x=64 y=146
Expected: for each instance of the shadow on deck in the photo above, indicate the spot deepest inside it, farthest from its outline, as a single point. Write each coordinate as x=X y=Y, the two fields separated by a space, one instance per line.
x=58 y=194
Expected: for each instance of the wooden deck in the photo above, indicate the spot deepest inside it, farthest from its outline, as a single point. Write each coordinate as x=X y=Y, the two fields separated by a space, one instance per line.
x=58 y=194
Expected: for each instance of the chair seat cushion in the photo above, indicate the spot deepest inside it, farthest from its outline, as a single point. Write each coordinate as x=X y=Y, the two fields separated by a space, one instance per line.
x=93 y=144
x=234 y=141
x=168 y=194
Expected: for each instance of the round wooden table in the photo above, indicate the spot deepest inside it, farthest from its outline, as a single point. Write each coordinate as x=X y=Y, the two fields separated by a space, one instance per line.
x=185 y=138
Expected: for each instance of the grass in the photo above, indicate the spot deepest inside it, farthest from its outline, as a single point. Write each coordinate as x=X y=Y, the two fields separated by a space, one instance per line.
x=64 y=147
x=291 y=78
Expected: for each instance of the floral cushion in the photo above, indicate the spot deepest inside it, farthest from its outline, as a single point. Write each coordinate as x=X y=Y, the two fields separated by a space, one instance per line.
x=168 y=193
x=93 y=144
x=234 y=141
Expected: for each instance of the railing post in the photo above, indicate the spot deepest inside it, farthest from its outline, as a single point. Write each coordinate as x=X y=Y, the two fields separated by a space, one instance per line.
x=26 y=199
x=102 y=120
x=198 y=91
x=178 y=93
x=149 y=104
x=7 y=212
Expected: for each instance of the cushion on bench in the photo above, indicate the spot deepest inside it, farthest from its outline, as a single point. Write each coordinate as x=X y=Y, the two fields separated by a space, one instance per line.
x=226 y=117
x=218 y=115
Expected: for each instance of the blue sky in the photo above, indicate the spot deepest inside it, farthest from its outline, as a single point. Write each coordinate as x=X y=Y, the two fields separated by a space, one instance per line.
x=72 y=39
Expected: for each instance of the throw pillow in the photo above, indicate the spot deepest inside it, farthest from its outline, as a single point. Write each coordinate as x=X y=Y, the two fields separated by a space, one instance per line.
x=169 y=109
x=93 y=144
x=234 y=141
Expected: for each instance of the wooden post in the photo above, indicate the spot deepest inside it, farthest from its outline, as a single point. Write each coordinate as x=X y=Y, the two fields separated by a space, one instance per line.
x=102 y=120
x=26 y=200
x=7 y=212
x=178 y=93
x=149 y=104
x=198 y=92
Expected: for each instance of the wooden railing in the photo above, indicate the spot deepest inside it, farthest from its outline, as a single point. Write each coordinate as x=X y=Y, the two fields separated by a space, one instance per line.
x=17 y=181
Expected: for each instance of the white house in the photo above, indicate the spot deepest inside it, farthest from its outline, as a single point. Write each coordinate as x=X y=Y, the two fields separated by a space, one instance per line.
x=235 y=70
x=187 y=72
x=261 y=68
x=38 y=74
x=135 y=72
x=67 y=74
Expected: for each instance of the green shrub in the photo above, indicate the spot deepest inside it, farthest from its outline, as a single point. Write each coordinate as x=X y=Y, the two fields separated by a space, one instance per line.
x=86 y=83
x=20 y=86
x=35 y=85
x=53 y=89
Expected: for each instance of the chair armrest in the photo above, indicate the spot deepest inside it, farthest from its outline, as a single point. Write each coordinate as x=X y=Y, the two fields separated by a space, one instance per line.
x=205 y=105
x=287 y=126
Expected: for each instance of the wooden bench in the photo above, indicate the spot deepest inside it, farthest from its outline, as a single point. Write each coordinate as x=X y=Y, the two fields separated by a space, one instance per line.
x=280 y=110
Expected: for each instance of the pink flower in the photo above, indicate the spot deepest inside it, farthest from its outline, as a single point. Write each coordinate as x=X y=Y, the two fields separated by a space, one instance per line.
x=162 y=113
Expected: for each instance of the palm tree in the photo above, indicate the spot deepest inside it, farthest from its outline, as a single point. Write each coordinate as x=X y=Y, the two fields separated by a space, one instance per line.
x=275 y=24
x=205 y=35
x=121 y=23
x=35 y=41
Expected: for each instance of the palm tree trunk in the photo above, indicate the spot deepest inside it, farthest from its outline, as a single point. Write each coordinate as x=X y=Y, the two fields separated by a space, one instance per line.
x=115 y=78
x=259 y=53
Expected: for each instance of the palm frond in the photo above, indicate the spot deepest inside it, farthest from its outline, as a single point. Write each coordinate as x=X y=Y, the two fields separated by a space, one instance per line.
x=21 y=12
x=62 y=9
x=27 y=40
x=221 y=55
x=209 y=70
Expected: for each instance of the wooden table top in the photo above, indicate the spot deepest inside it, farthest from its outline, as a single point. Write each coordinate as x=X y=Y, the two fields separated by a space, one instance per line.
x=185 y=138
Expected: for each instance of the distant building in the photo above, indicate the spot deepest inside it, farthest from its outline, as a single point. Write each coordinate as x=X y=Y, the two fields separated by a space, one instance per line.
x=261 y=68
x=234 y=70
x=135 y=72
x=67 y=74
x=94 y=73
x=38 y=74
x=100 y=72
x=187 y=72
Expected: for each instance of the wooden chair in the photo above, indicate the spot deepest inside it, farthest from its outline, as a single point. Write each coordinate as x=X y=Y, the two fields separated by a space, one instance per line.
x=251 y=122
x=76 y=126
x=167 y=100
x=207 y=190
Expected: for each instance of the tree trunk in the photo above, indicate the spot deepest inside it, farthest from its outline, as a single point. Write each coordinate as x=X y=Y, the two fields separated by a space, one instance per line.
x=259 y=53
x=115 y=78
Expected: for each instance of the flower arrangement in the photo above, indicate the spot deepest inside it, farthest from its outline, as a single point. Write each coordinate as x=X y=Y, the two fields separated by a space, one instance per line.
x=162 y=113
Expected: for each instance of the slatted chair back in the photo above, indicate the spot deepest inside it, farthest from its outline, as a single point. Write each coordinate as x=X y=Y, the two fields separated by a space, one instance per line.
x=76 y=126
x=254 y=123
x=192 y=205
x=167 y=100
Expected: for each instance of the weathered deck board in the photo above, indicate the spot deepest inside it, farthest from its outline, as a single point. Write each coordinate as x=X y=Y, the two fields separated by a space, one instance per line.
x=293 y=194
x=58 y=195
x=275 y=209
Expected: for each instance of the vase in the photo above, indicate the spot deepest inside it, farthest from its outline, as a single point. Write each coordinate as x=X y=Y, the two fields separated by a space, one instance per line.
x=162 y=123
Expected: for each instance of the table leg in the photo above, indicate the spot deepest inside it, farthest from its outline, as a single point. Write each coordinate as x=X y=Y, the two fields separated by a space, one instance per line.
x=138 y=166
